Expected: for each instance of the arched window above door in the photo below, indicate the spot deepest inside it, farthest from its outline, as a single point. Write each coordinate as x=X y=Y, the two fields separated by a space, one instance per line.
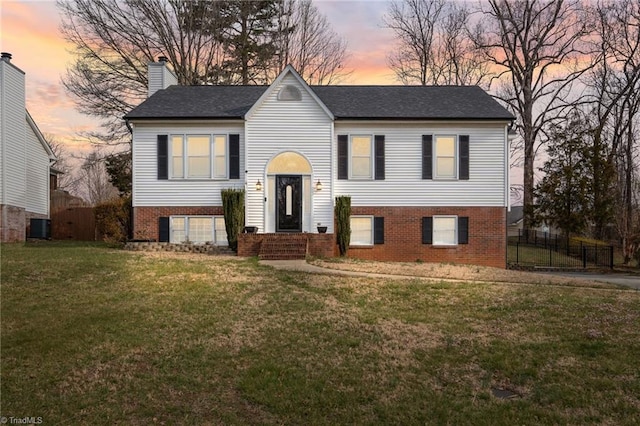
x=289 y=162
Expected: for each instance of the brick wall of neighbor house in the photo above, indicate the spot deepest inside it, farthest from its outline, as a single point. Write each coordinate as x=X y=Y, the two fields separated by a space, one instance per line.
x=403 y=236
x=145 y=219
x=13 y=224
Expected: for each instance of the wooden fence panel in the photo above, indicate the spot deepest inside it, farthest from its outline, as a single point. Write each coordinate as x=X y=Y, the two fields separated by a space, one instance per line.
x=76 y=223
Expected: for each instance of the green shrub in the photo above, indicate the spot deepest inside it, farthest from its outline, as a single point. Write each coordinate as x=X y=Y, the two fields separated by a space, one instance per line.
x=233 y=208
x=113 y=220
x=343 y=221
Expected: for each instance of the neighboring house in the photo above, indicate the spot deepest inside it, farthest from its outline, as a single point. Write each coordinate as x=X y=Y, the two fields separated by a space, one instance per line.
x=426 y=167
x=515 y=220
x=25 y=158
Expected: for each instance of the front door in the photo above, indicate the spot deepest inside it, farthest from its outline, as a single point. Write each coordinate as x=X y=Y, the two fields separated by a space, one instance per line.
x=289 y=203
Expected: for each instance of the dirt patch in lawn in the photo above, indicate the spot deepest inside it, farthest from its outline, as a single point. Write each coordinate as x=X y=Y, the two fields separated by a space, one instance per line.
x=448 y=271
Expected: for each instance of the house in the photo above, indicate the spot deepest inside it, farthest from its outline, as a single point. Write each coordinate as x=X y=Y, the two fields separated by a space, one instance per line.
x=426 y=167
x=25 y=158
x=515 y=222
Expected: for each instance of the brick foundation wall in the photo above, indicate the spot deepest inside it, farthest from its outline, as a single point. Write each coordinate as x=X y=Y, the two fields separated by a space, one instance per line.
x=403 y=236
x=145 y=219
x=13 y=224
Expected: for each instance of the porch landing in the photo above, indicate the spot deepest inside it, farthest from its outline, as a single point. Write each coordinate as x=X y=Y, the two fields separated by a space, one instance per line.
x=286 y=246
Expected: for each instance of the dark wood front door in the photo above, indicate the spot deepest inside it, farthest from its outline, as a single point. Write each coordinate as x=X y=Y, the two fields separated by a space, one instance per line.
x=289 y=204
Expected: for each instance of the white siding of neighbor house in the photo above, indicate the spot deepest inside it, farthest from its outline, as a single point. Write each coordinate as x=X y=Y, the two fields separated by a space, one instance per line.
x=403 y=184
x=13 y=130
x=37 y=172
x=279 y=126
x=149 y=191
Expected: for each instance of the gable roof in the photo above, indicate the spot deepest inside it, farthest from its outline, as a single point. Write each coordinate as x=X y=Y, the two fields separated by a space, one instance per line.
x=344 y=102
x=36 y=131
x=515 y=215
x=289 y=70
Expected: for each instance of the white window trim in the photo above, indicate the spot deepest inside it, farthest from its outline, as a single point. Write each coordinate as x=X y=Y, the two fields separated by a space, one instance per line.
x=212 y=156
x=371 y=157
x=456 y=156
x=371 y=218
x=186 y=227
x=433 y=231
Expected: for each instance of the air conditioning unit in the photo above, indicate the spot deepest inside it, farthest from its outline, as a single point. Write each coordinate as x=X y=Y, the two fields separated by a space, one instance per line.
x=40 y=229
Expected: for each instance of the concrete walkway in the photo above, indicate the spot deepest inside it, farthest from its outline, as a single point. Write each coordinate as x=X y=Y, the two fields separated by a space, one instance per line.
x=628 y=280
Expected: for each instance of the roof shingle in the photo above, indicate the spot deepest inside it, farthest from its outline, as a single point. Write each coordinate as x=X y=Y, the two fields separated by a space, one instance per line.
x=345 y=102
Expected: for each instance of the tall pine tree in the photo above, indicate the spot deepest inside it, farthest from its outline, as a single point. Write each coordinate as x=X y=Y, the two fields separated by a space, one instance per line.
x=564 y=197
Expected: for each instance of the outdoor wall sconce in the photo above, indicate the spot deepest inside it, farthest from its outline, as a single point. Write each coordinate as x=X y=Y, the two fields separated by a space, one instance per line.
x=258 y=185
x=319 y=185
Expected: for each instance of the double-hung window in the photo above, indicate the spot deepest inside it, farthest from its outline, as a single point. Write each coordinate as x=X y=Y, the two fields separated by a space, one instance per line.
x=199 y=156
x=445 y=157
x=361 y=157
x=219 y=156
x=445 y=230
x=361 y=231
x=366 y=230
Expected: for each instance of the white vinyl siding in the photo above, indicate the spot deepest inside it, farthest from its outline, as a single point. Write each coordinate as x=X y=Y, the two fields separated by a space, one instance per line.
x=37 y=175
x=13 y=133
x=361 y=231
x=149 y=191
x=403 y=184
x=302 y=127
x=198 y=230
x=445 y=232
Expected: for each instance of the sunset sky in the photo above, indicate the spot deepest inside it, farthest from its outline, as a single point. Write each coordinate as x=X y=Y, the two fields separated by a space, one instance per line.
x=30 y=32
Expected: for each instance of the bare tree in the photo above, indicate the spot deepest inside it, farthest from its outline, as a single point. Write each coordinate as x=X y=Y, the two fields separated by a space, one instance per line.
x=113 y=43
x=614 y=87
x=93 y=180
x=206 y=42
x=433 y=46
x=539 y=47
x=307 y=41
x=67 y=179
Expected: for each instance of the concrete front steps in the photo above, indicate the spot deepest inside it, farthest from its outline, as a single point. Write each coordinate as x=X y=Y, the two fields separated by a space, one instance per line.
x=282 y=246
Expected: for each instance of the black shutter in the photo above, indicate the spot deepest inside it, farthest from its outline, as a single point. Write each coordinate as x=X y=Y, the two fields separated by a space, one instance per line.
x=427 y=156
x=427 y=230
x=163 y=229
x=463 y=230
x=343 y=156
x=234 y=156
x=163 y=157
x=463 y=150
x=378 y=230
x=379 y=157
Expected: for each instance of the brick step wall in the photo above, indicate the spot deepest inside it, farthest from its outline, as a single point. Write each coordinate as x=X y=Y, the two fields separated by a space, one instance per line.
x=283 y=247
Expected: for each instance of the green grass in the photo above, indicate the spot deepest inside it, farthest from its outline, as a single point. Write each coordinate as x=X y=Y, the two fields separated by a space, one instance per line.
x=92 y=335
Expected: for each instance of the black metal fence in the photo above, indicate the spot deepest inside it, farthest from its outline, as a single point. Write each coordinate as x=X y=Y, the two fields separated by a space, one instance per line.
x=541 y=249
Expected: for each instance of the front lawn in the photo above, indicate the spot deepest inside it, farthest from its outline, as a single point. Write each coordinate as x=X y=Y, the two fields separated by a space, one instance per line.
x=91 y=335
